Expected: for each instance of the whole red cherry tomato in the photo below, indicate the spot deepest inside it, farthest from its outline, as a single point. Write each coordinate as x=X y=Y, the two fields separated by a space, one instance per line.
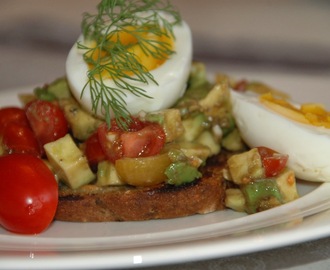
x=19 y=138
x=272 y=161
x=12 y=114
x=28 y=194
x=46 y=120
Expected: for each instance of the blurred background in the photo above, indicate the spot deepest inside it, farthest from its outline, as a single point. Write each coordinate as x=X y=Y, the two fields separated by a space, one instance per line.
x=278 y=35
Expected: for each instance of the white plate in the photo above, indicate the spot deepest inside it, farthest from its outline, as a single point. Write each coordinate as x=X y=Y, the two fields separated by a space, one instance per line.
x=224 y=233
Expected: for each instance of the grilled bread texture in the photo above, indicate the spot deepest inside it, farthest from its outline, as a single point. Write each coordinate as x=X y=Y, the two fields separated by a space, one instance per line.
x=91 y=203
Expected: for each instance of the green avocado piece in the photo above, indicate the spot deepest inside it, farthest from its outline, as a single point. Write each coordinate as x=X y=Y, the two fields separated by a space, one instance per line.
x=260 y=193
x=179 y=173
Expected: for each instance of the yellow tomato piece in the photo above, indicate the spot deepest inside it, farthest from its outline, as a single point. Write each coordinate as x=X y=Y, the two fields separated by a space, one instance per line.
x=143 y=171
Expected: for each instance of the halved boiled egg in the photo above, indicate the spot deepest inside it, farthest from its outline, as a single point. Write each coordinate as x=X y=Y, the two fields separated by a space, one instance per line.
x=171 y=76
x=287 y=128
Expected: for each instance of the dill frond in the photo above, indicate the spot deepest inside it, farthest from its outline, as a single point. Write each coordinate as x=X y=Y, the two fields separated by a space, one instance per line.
x=111 y=58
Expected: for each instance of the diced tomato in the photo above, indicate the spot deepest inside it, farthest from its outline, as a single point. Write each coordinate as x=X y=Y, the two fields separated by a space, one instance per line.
x=240 y=86
x=272 y=161
x=19 y=138
x=141 y=140
x=46 y=120
x=143 y=143
x=93 y=150
x=12 y=114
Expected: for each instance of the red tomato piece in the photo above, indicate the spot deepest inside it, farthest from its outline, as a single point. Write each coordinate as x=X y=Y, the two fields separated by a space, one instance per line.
x=141 y=140
x=28 y=194
x=272 y=161
x=143 y=143
x=46 y=120
x=19 y=138
x=110 y=143
x=12 y=114
x=93 y=150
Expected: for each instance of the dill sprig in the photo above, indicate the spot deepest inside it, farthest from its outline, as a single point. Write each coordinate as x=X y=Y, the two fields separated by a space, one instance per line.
x=109 y=58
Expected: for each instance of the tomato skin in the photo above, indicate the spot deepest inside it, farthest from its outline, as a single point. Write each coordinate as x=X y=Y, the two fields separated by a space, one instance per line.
x=46 y=120
x=12 y=114
x=19 y=138
x=93 y=150
x=142 y=139
x=143 y=143
x=28 y=194
x=110 y=143
x=272 y=161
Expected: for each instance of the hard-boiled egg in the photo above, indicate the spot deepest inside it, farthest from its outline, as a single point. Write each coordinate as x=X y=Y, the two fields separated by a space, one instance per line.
x=307 y=145
x=171 y=77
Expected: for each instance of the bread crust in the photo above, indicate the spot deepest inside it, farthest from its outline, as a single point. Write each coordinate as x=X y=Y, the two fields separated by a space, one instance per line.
x=97 y=204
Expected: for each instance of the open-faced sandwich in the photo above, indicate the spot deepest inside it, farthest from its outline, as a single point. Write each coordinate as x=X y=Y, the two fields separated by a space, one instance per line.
x=136 y=131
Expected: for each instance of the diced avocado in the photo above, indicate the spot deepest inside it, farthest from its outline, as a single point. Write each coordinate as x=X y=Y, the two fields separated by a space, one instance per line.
x=286 y=183
x=261 y=194
x=246 y=167
x=198 y=76
x=170 y=120
x=69 y=162
x=59 y=88
x=26 y=98
x=179 y=173
x=189 y=150
x=43 y=94
x=235 y=199
x=82 y=124
x=194 y=126
x=107 y=175
x=206 y=138
x=218 y=97
x=233 y=141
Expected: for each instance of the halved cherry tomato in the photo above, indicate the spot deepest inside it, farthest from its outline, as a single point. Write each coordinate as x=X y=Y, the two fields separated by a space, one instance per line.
x=143 y=143
x=93 y=150
x=46 y=120
x=272 y=161
x=12 y=114
x=19 y=138
x=28 y=194
x=142 y=139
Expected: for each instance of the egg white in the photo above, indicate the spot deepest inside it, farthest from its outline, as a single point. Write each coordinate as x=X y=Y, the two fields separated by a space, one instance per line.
x=308 y=146
x=171 y=77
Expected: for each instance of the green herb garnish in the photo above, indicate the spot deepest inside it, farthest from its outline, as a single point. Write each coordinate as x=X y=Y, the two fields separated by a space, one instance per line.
x=109 y=57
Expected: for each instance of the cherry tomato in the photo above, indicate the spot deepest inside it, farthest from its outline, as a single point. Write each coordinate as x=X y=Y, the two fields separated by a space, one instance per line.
x=272 y=161
x=142 y=139
x=19 y=138
x=143 y=143
x=93 y=150
x=12 y=114
x=28 y=194
x=241 y=86
x=46 y=120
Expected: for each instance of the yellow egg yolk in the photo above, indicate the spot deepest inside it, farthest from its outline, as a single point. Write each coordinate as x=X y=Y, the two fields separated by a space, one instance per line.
x=308 y=113
x=129 y=37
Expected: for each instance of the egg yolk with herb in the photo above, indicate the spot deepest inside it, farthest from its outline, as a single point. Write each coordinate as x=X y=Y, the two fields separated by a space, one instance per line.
x=130 y=37
x=170 y=72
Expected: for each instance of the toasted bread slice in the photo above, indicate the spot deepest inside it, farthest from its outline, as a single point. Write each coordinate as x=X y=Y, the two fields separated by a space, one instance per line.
x=124 y=203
